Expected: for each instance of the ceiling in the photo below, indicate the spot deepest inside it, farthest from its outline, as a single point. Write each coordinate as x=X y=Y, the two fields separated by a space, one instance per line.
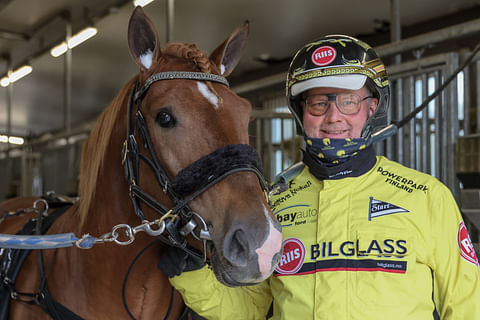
x=101 y=65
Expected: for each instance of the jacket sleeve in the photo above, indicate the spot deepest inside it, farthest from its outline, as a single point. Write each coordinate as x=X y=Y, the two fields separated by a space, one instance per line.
x=202 y=292
x=455 y=267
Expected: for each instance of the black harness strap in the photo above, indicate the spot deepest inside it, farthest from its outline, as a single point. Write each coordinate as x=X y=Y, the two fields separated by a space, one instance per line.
x=12 y=262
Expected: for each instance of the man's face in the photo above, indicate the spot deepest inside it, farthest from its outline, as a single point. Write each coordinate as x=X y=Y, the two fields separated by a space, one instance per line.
x=333 y=124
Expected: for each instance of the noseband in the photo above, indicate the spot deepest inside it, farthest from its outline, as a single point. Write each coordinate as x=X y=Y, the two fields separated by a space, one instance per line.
x=190 y=181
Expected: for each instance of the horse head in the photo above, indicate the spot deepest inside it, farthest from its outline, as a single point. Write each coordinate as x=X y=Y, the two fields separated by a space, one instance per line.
x=194 y=131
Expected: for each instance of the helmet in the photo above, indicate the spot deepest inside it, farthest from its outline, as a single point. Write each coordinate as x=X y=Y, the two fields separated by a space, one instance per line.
x=338 y=61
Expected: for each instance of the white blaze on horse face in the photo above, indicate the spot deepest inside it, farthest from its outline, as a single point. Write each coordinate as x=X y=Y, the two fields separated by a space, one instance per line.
x=147 y=58
x=222 y=69
x=209 y=95
x=271 y=246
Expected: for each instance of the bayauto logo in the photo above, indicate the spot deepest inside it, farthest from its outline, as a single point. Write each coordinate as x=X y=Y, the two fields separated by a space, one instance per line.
x=324 y=55
x=293 y=256
x=465 y=245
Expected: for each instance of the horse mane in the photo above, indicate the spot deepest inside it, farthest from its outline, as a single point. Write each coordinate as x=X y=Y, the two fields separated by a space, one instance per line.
x=190 y=52
x=95 y=147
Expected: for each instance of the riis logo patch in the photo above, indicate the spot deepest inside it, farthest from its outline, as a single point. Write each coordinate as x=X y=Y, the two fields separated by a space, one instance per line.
x=293 y=256
x=378 y=208
x=324 y=55
x=465 y=245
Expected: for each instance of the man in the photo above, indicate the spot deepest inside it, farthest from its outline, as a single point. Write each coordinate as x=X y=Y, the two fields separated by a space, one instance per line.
x=364 y=237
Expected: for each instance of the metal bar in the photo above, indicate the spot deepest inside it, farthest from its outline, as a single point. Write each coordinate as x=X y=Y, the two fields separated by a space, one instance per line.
x=268 y=147
x=477 y=77
x=449 y=33
x=452 y=124
x=425 y=165
x=412 y=125
x=399 y=114
x=395 y=26
x=389 y=143
x=258 y=138
x=467 y=78
x=67 y=77
x=441 y=128
x=170 y=19
x=9 y=95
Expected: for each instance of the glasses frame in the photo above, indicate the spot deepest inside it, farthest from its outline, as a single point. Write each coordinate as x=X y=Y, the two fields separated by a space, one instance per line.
x=333 y=97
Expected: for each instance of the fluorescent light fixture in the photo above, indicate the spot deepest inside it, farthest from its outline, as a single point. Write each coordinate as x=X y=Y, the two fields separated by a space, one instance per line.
x=58 y=50
x=74 y=41
x=4 y=82
x=19 y=73
x=16 y=140
x=141 y=3
x=15 y=75
x=11 y=139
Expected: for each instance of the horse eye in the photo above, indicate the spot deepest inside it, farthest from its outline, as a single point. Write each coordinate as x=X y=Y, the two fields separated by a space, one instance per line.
x=165 y=119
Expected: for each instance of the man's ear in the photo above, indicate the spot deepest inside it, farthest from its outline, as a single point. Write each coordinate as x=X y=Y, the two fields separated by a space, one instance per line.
x=372 y=106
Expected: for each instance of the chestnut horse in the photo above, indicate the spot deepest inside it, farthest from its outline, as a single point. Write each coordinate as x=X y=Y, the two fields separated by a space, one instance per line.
x=180 y=136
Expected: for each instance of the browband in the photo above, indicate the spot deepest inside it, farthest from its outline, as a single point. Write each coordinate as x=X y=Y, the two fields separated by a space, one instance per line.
x=170 y=75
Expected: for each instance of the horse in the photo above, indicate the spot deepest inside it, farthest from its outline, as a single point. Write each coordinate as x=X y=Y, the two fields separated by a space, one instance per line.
x=168 y=159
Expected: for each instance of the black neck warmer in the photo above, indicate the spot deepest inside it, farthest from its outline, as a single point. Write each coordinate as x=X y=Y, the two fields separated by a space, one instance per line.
x=354 y=167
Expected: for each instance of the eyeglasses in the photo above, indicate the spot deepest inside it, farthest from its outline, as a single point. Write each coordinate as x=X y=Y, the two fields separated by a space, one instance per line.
x=347 y=103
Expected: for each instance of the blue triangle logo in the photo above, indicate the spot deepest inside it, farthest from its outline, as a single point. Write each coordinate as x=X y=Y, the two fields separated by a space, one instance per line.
x=378 y=208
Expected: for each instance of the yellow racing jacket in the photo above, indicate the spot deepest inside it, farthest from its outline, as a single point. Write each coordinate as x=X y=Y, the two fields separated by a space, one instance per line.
x=389 y=244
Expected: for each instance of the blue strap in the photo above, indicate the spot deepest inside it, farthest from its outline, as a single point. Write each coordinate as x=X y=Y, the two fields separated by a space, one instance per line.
x=37 y=242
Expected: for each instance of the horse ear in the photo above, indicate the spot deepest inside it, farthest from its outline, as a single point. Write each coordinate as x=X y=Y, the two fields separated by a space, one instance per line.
x=143 y=39
x=227 y=55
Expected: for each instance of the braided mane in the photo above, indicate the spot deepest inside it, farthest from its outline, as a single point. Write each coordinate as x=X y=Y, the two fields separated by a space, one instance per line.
x=191 y=53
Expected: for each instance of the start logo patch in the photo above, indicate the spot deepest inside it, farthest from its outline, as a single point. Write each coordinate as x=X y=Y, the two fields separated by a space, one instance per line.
x=324 y=55
x=465 y=245
x=293 y=256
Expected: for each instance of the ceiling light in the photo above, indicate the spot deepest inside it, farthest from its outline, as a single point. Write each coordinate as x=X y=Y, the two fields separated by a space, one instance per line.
x=4 y=82
x=59 y=50
x=74 y=41
x=19 y=73
x=15 y=140
x=15 y=75
x=11 y=139
x=83 y=35
x=141 y=3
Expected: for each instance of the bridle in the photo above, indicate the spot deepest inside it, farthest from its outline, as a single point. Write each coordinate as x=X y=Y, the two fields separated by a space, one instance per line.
x=180 y=220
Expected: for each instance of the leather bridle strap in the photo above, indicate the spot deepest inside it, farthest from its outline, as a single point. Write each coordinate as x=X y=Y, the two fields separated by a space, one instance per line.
x=171 y=75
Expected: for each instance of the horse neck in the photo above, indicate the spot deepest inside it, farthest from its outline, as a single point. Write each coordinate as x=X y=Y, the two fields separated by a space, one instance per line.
x=106 y=199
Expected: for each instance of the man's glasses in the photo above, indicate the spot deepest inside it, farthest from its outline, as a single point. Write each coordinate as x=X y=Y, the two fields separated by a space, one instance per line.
x=347 y=103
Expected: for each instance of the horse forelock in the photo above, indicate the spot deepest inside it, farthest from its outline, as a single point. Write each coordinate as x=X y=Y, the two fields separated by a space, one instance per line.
x=192 y=54
x=96 y=147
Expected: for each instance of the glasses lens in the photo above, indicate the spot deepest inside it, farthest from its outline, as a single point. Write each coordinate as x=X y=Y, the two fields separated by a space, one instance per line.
x=348 y=103
x=317 y=104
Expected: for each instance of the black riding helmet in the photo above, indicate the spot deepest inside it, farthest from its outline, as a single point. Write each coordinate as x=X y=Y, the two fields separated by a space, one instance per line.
x=338 y=61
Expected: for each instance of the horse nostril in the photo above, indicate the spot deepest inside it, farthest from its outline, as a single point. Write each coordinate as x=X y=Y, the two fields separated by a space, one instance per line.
x=236 y=248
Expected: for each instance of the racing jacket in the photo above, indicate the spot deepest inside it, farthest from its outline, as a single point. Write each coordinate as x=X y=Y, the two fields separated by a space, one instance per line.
x=388 y=244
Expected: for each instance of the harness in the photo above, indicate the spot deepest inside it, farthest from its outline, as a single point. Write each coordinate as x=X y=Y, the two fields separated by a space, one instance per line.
x=13 y=260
